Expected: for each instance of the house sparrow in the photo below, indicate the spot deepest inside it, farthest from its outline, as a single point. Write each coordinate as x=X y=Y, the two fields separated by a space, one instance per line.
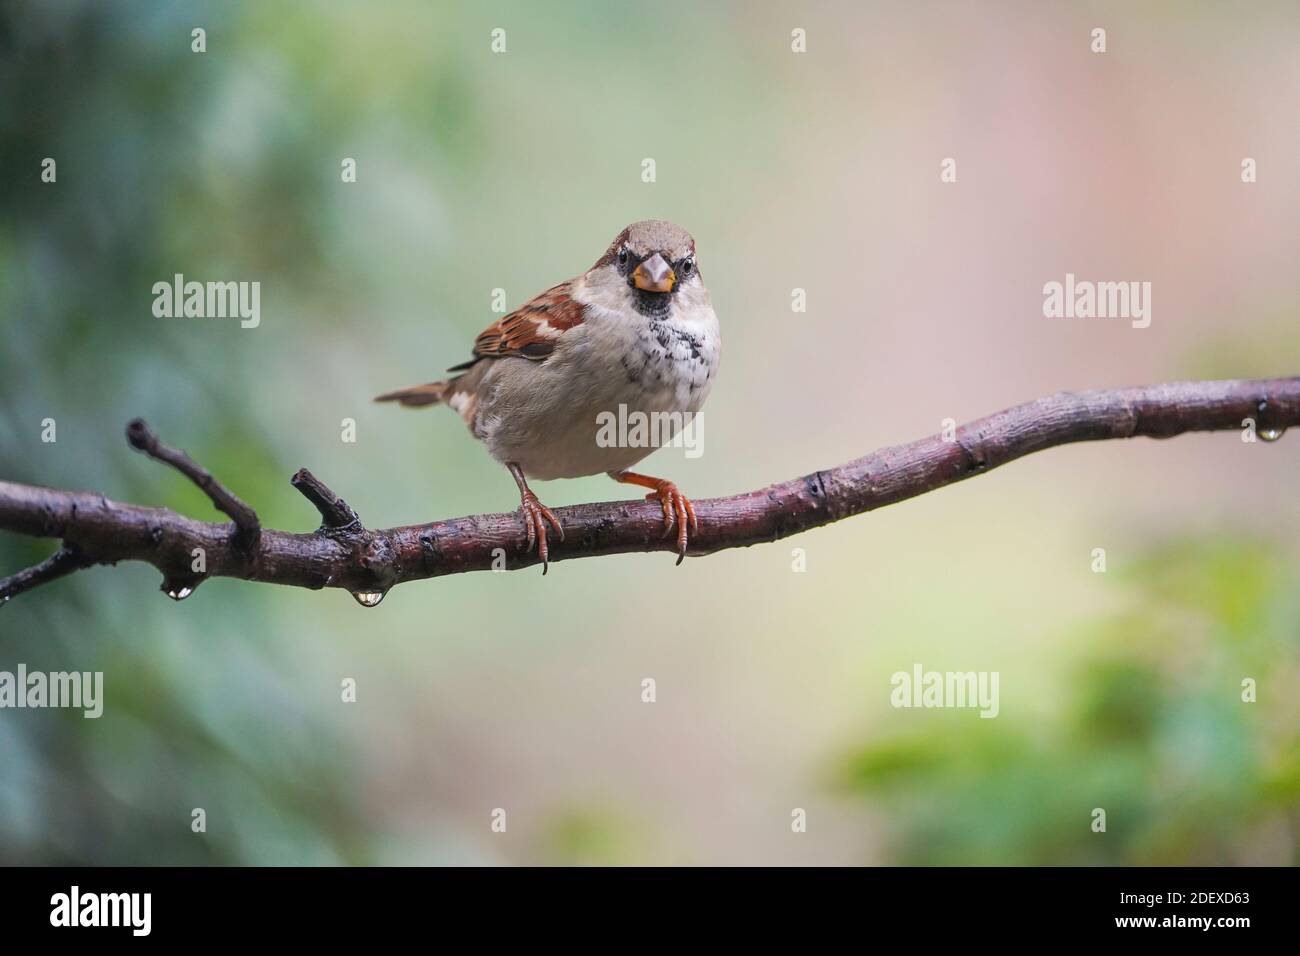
x=636 y=329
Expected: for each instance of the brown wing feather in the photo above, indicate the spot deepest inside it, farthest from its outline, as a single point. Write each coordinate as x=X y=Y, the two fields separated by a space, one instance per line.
x=531 y=331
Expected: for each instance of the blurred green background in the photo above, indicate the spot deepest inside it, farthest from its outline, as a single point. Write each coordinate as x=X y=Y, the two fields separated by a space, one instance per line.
x=818 y=171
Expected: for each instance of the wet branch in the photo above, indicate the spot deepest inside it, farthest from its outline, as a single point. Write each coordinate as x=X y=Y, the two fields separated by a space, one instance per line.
x=247 y=527
x=342 y=553
x=334 y=511
x=62 y=562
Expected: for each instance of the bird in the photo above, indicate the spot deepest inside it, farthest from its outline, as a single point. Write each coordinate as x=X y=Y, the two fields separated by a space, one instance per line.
x=635 y=332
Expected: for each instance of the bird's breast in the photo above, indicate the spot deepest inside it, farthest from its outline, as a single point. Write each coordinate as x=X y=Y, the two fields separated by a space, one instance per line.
x=653 y=364
x=551 y=417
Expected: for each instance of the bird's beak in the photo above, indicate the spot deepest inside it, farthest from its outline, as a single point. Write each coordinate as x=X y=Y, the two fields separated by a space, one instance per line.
x=654 y=275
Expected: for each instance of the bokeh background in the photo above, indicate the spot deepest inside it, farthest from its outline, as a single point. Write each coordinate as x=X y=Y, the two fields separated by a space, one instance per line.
x=818 y=170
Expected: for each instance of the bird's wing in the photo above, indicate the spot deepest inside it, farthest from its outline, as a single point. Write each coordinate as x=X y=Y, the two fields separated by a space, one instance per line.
x=531 y=331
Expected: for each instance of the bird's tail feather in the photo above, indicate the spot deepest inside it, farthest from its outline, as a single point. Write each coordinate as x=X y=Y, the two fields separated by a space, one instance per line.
x=417 y=395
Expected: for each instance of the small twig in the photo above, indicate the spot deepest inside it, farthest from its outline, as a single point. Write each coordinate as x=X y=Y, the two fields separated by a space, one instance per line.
x=247 y=526
x=334 y=511
x=64 y=561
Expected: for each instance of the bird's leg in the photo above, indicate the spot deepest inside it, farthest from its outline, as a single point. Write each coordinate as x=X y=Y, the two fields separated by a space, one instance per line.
x=678 y=510
x=536 y=515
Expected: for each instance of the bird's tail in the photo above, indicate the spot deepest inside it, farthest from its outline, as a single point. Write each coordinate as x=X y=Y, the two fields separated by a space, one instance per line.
x=417 y=395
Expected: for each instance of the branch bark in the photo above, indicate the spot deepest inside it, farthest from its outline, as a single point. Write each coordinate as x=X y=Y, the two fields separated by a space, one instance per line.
x=247 y=526
x=342 y=553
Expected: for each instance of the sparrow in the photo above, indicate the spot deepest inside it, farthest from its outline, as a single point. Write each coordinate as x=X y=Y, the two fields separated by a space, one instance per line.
x=637 y=329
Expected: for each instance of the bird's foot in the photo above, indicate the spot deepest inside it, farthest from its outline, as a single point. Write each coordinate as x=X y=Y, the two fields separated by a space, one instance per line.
x=536 y=516
x=678 y=513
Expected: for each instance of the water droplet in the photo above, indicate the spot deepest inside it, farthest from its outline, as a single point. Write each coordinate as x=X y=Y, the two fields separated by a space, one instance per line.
x=369 y=598
x=1271 y=434
x=178 y=589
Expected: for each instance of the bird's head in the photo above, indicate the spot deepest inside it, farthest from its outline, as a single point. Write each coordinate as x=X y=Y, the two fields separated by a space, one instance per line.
x=652 y=262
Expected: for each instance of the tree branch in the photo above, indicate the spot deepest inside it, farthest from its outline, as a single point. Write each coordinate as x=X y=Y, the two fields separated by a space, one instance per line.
x=247 y=527
x=342 y=553
x=334 y=511
x=64 y=561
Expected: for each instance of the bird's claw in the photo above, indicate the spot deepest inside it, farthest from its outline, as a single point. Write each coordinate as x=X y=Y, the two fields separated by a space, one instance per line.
x=536 y=517
x=679 y=513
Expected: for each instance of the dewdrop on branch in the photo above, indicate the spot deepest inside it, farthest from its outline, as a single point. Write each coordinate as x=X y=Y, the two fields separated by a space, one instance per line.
x=369 y=598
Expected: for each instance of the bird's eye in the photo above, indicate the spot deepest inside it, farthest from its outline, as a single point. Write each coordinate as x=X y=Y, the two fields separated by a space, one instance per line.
x=622 y=257
x=688 y=266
